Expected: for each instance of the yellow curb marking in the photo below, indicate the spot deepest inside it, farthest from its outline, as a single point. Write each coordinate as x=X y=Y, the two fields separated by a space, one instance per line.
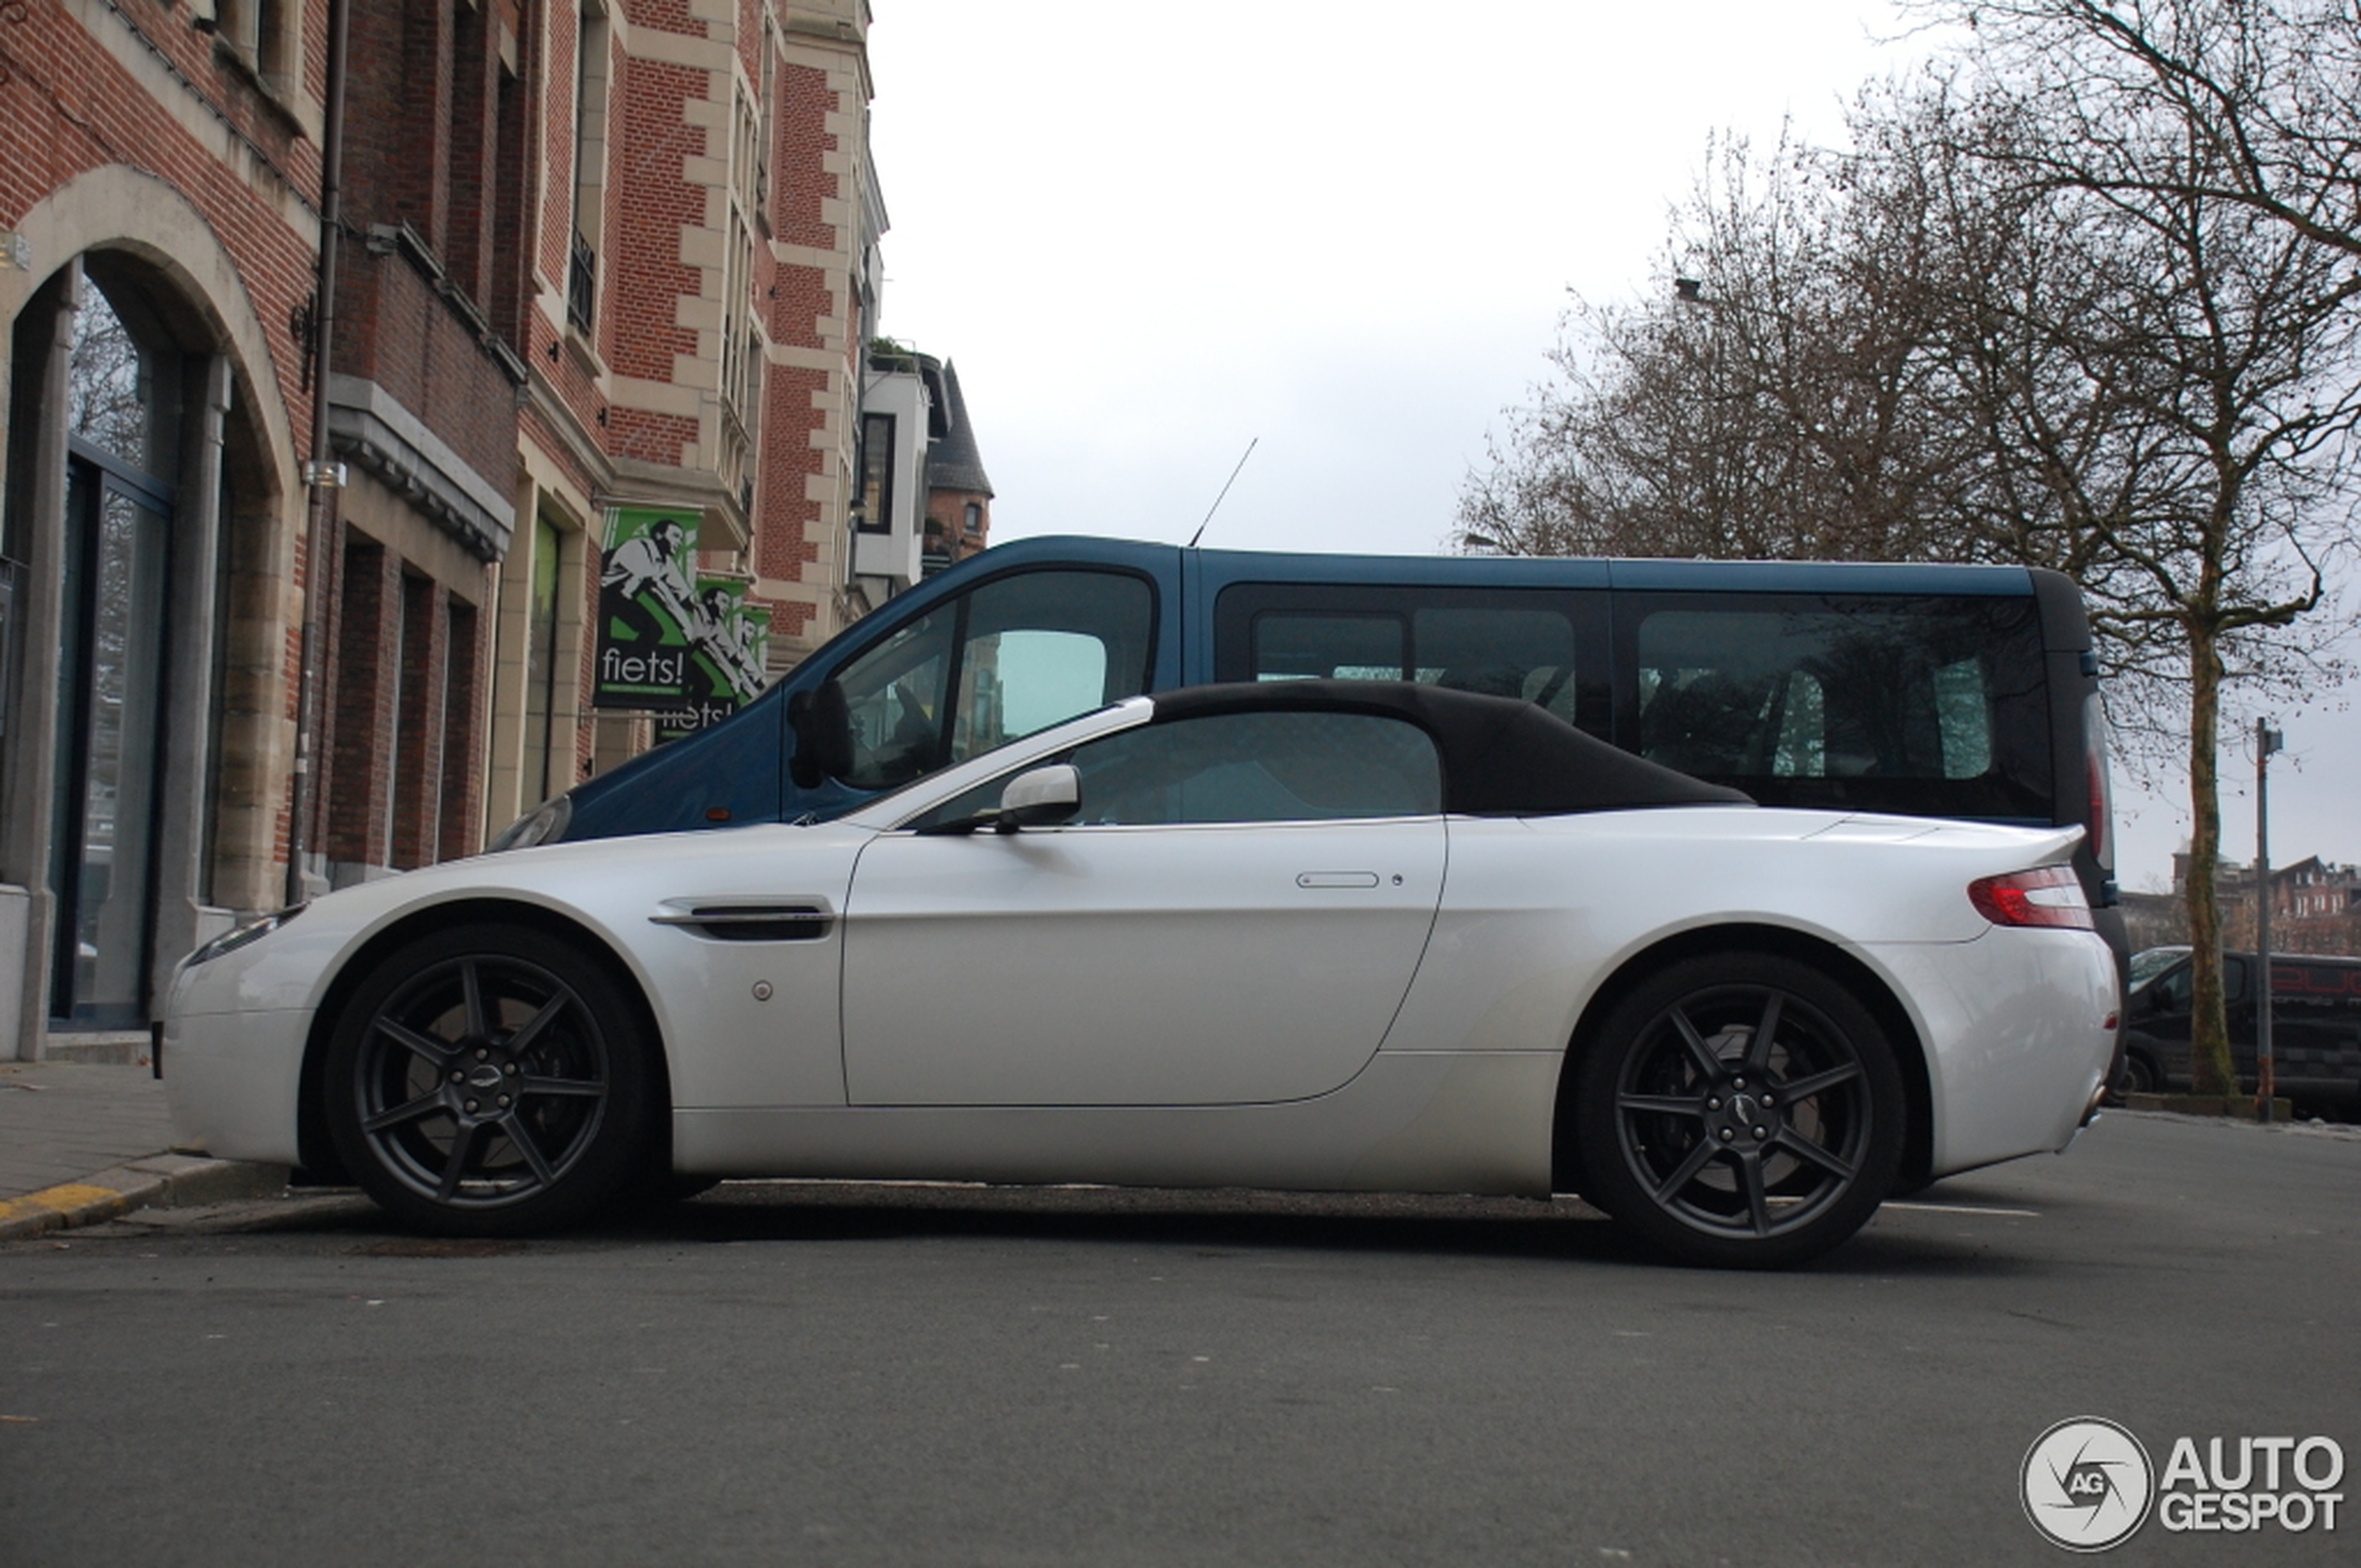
x=72 y=1197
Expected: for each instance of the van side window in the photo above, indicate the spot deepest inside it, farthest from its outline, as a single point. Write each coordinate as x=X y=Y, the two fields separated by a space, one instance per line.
x=999 y=662
x=2170 y=995
x=2175 y=993
x=1931 y=706
x=1296 y=647
x=1503 y=653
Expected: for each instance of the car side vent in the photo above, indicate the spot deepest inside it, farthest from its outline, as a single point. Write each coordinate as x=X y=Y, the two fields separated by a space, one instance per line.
x=794 y=919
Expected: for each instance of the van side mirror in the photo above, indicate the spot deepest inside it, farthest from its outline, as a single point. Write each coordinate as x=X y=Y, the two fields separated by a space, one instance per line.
x=1040 y=798
x=822 y=720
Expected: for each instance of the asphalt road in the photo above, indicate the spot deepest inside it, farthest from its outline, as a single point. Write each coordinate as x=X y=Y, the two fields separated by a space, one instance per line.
x=891 y=1376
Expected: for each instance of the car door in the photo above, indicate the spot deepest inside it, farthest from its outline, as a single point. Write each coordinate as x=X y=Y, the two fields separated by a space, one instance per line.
x=1232 y=917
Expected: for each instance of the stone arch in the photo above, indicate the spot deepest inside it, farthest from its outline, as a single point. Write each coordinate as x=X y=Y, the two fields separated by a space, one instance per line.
x=127 y=210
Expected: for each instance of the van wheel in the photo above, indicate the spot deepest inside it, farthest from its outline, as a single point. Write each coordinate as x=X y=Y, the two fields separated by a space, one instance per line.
x=488 y=1081
x=1740 y=1110
x=2137 y=1076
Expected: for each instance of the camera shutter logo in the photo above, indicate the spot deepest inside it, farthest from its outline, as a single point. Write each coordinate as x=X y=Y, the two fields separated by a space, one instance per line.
x=2086 y=1484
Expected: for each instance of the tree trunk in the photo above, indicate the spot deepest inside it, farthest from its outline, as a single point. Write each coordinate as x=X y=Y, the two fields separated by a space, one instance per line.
x=2211 y=1069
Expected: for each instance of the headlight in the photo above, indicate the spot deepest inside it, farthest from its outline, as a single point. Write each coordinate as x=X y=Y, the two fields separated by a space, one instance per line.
x=546 y=824
x=252 y=931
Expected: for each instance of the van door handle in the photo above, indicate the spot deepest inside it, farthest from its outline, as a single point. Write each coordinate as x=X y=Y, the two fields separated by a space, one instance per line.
x=1336 y=879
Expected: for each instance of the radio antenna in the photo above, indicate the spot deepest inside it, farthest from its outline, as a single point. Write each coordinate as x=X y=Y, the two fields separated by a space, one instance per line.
x=1225 y=490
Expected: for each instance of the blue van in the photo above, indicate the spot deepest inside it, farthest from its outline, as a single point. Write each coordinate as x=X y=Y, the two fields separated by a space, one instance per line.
x=1924 y=691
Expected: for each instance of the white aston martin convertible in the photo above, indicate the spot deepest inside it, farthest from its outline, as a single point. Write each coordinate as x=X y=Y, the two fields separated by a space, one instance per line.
x=1306 y=935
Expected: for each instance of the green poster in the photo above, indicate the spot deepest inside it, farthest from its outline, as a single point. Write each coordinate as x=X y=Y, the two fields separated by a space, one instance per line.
x=729 y=642
x=646 y=608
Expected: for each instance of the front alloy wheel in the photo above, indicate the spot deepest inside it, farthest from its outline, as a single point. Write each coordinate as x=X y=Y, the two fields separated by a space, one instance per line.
x=1740 y=1110
x=487 y=1081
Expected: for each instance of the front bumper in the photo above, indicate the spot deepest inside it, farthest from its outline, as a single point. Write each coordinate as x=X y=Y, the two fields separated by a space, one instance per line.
x=233 y=1081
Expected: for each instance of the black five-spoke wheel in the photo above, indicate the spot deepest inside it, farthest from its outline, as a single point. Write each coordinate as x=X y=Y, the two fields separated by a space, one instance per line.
x=1742 y=1109
x=488 y=1080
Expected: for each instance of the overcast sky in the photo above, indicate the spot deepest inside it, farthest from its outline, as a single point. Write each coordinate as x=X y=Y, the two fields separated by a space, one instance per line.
x=1151 y=234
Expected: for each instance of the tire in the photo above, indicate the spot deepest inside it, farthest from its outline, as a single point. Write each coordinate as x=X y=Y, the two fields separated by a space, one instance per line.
x=1684 y=1146
x=2138 y=1076
x=489 y=1081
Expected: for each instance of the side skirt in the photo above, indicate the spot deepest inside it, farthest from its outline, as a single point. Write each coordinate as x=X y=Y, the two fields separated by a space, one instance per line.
x=1416 y=1122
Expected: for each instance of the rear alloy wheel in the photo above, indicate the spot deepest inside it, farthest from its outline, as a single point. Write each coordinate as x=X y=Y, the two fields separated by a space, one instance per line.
x=489 y=1080
x=1741 y=1110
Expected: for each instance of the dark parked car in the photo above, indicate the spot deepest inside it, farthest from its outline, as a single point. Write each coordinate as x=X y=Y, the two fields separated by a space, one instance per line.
x=2316 y=1025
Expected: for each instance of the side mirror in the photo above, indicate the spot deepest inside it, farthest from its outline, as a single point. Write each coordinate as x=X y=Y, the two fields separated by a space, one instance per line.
x=1040 y=798
x=821 y=721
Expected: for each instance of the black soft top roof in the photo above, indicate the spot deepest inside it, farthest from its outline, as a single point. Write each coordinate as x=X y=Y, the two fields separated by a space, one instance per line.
x=1502 y=757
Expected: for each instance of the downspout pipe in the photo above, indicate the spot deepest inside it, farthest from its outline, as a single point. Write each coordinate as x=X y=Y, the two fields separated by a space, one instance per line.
x=322 y=476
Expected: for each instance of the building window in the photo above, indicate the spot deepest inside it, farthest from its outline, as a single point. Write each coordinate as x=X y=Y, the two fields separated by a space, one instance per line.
x=582 y=285
x=542 y=779
x=873 y=508
x=591 y=51
x=256 y=33
x=356 y=801
x=459 y=799
x=741 y=349
x=766 y=97
x=971 y=520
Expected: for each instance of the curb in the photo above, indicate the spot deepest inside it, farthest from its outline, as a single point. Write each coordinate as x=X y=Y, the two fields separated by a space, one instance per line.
x=160 y=1181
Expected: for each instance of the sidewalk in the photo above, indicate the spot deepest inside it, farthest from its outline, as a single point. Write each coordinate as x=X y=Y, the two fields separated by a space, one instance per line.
x=81 y=1142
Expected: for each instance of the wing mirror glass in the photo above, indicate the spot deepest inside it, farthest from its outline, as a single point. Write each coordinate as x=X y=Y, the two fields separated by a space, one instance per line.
x=1040 y=798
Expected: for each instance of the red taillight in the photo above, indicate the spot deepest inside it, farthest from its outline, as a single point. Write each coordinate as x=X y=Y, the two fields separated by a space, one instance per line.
x=2050 y=896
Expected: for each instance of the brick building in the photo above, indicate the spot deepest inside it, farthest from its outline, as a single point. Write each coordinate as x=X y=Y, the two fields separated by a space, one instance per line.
x=958 y=492
x=2315 y=907
x=922 y=502
x=592 y=253
x=424 y=389
x=705 y=262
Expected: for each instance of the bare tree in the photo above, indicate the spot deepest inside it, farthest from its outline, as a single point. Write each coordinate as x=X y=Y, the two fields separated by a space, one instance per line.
x=2033 y=315
x=2192 y=421
x=2268 y=93
x=1768 y=402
